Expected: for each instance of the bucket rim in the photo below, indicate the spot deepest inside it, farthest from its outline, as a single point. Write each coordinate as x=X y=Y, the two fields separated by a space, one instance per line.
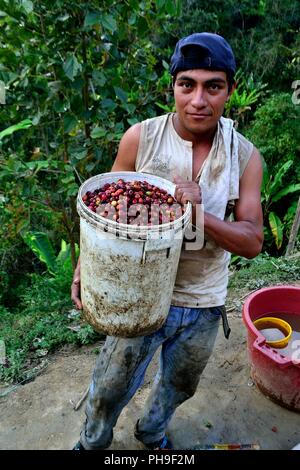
x=259 y=340
x=132 y=231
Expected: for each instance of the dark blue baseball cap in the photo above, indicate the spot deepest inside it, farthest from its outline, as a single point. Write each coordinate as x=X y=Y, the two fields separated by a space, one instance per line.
x=203 y=51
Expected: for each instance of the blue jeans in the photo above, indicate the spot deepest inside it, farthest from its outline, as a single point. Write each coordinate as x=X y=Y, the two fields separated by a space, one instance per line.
x=187 y=338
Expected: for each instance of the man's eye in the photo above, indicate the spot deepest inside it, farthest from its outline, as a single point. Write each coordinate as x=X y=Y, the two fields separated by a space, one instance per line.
x=185 y=85
x=214 y=86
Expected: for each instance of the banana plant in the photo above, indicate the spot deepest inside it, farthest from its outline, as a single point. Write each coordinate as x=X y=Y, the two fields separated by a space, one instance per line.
x=272 y=192
x=43 y=249
x=243 y=97
x=25 y=124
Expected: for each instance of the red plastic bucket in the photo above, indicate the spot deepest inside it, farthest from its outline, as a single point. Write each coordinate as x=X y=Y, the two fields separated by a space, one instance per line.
x=276 y=375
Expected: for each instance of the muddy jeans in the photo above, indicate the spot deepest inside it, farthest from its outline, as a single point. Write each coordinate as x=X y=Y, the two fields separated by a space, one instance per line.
x=187 y=338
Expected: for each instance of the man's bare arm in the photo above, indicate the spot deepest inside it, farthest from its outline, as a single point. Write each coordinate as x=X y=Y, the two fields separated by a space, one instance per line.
x=75 y=287
x=128 y=148
x=244 y=236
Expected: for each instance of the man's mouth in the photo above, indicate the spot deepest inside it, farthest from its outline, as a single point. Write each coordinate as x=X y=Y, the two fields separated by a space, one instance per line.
x=199 y=115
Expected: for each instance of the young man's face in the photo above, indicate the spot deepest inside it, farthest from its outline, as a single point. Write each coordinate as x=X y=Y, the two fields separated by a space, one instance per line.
x=200 y=97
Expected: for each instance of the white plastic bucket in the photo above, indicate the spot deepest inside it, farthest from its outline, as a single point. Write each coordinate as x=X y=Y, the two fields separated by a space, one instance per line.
x=127 y=272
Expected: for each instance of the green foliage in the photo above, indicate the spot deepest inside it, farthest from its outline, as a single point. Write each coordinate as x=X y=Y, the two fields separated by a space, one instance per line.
x=275 y=131
x=264 y=34
x=96 y=70
x=273 y=190
x=10 y=130
x=276 y=228
x=265 y=270
x=245 y=95
x=43 y=321
x=41 y=246
x=76 y=76
x=81 y=73
x=43 y=249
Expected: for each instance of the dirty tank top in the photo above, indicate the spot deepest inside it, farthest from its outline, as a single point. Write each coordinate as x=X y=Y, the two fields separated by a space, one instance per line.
x=202 y=275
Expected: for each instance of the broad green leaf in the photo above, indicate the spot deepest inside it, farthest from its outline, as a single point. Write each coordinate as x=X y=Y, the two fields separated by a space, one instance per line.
x=291 y=188
x=14 y=165
x=98 y=132
x=92 y=18
x=55 y=85
x=37 y=165
x=42 y=248
x=160 y=4
x=132 y=19
x=121 y=94
x=61 y=106
x=178 y=7
x=68 y=179
x=64 y=253
x=276 y=228
x=135 y=5
x=64 y=17
x=78 y=154
x=27 y=5
x=278 y=177
x=72 y=67
x=36 y=119
x=170 y=7
x=165 y=107
x=90 y=166
x=265 y=181
x=72 y=190
x=142 y=26
x=109 y=23
x=70 y=122
x=22 y=225
x=130 y=108
x=108 y=104
x=8 y=77
x=132 y=121
x=98 y=77
x=16 y=127
x=165 y=65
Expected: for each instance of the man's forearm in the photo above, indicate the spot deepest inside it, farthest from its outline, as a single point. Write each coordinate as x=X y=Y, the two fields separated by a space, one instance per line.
x=241 y=238
x=77 y=271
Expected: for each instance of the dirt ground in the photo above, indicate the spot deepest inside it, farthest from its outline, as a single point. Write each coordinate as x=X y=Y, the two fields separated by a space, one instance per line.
x=227 y=407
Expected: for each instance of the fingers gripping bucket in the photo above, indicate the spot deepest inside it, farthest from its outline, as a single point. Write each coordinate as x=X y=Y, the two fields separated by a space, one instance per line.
x=127 y=272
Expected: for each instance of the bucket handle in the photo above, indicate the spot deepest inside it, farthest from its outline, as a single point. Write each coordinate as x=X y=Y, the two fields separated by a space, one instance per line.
x=271 y=354
x=158 y=244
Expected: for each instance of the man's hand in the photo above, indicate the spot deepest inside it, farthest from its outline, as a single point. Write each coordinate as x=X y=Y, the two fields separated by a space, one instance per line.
x=75 y=288
x=187 y=191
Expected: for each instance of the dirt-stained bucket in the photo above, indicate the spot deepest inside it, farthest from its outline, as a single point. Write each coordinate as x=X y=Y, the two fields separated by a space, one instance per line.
x=127 y=272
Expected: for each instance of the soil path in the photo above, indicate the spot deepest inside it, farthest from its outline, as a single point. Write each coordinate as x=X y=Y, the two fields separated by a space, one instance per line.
x=226 y=408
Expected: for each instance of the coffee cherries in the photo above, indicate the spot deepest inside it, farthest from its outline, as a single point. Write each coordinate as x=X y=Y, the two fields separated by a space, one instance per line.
x=134 y=203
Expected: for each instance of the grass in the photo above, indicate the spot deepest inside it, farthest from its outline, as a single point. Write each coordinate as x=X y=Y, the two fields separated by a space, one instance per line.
x=45 y=319
x=264 y=271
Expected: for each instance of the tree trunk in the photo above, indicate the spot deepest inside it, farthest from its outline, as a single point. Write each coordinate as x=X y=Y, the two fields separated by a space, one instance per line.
x=294 y=231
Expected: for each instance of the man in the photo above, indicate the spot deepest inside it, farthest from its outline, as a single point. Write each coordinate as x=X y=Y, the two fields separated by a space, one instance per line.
x=220 y=168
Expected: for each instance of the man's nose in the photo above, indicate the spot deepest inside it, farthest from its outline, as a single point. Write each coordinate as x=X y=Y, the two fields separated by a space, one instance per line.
x=198 y=99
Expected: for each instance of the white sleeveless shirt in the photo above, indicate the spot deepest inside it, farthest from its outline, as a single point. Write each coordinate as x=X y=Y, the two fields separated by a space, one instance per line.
x=202 y=275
